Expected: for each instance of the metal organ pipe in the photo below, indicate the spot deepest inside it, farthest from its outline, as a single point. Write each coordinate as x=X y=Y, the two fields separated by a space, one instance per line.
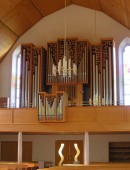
x=26 y=84
x=23 y=79
x=94 y=82
x=107 y=80
x=96 y=95
x=85 y=63
x=110 y=76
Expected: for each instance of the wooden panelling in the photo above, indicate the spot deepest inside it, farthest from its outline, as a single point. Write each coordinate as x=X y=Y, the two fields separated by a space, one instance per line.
x=18 y=22
x=7 y=39
x=128 y=113
x=111 y=114
x=25 y=116
x=127 y=5
x=78 y=120
x=6 y=116
x=88 y=114
x=6 y=6
x=114 y=10
x=88 y=4
x=47 y=7
x=9 y=147
x=98 y=114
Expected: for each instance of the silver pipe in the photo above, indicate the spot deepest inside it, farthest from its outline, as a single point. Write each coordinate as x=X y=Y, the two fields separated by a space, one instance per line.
x=39 y=73
x=85 y=65
x=33 y=91
x=110 y=76
x=107 y=81
x=23 y=79
x=94 y=79
x=49 y=66
x=36 y=86
x=97 y=87
x=26 y=85
x=104 y=88
x=28 y=89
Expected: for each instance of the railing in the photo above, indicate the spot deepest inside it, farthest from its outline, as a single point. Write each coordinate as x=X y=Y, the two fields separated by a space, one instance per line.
x=52 y=107
x=5 y=102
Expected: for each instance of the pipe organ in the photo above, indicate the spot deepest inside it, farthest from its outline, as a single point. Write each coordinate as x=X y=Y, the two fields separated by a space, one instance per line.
x=52 y=107
x=83 y=50
x=67 y=61
x=70 y=90
x=75 y=71
x=83 y=70
x=68 y=65
x=96 y=74
x=51 y=63
x=107 y=72
x=102 y=85
x=33 y=61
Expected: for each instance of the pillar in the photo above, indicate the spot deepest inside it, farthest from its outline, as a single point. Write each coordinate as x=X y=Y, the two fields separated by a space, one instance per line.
x=19 y=147
x=86 y=148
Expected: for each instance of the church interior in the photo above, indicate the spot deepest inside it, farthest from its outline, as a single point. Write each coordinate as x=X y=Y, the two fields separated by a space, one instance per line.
x=64 y=84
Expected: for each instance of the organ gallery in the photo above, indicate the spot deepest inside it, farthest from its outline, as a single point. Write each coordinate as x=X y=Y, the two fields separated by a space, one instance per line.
x=70 y=72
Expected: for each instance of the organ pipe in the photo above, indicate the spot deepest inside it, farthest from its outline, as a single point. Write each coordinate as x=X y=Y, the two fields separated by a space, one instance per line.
x=26 y=75
x=66 y=68
x=107 y=69
x=33 y=62
x=96 y=74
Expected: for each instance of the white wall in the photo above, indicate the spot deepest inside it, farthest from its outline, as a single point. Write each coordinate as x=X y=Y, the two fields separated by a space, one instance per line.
x=99 y=145
x=44 y=145
x=80 y=23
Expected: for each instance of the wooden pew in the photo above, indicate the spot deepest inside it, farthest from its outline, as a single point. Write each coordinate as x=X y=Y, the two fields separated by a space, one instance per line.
x=94 y=166
x=17 y=166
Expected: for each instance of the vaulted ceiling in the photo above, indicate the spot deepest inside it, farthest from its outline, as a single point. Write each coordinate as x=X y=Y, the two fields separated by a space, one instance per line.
x=17 y=16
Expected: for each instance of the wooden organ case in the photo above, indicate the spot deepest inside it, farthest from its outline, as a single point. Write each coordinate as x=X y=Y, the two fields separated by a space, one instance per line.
x=68 y=67
x=33 y=77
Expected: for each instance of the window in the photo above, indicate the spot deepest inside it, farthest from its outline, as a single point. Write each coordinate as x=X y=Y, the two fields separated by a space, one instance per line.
x=124 y=72
x=15 y=84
